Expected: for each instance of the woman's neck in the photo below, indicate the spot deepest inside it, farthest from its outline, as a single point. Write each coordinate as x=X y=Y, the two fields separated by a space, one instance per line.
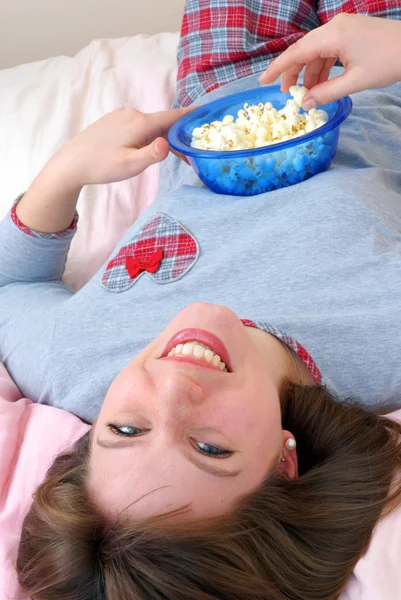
x=283 y=362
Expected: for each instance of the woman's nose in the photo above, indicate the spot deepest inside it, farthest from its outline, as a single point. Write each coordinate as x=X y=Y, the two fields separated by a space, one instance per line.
x=177 y=391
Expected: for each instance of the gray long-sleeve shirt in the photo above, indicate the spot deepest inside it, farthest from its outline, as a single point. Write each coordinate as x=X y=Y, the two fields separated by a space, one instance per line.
x=319 y=261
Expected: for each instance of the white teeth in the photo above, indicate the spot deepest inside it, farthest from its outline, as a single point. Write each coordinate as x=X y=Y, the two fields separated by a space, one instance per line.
x=209 y=355
x=199 y=351
x=187 y=349
x=216 y=360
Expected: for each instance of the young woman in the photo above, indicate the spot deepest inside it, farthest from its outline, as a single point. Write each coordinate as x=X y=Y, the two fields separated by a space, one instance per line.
x=214 y=354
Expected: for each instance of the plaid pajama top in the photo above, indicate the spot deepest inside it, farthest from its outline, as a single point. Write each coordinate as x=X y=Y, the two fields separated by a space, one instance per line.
x=225 y=40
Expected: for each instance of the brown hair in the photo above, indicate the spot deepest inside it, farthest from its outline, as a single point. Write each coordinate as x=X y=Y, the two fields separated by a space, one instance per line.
x=286 y=540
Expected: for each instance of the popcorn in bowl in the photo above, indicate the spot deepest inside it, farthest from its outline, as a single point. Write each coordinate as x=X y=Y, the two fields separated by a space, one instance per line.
x=259 y=125
x=275 y=148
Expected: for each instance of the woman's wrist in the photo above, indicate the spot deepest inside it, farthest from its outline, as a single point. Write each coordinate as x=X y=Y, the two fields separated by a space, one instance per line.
x=49 y=204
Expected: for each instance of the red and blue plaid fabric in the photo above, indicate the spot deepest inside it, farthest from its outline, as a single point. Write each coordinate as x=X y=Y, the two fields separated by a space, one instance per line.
x=296 y=346
x=390 y=9
x=225 y=40
x=38 y=234
x=180 y=252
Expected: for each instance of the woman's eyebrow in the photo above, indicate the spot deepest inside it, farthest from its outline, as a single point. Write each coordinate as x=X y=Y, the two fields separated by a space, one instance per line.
x=217 y=471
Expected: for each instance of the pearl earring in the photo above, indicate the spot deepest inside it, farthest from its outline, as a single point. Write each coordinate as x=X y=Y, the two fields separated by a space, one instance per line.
x=291 y=444
x=283 y=460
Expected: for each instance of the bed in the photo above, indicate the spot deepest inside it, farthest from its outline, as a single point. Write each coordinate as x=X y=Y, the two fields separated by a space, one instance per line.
x=42 y=104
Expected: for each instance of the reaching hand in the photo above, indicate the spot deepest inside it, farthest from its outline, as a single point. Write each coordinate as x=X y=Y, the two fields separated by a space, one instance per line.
x=368 y=47
x=120 y=145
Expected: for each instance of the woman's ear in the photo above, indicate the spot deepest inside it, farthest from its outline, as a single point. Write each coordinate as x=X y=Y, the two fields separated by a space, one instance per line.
x=289 y=453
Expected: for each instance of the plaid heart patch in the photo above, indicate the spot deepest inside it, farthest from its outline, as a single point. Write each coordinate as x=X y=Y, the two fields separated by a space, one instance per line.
x=163 y=249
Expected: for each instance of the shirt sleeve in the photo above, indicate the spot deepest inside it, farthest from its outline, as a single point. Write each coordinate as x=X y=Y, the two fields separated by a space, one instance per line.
x=31 y=294
x=28 y=256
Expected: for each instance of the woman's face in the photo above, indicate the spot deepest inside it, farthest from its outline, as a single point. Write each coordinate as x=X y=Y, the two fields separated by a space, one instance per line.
x=190 y=432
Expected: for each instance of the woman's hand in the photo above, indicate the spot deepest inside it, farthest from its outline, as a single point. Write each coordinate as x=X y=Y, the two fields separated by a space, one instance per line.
x=368 y=47
x=120 y=145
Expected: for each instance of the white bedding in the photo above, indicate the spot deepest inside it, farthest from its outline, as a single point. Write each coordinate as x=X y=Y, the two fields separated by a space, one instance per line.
x=43 y=104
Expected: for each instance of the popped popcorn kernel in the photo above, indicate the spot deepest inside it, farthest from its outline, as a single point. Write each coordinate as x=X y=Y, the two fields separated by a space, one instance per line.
x=259 y=125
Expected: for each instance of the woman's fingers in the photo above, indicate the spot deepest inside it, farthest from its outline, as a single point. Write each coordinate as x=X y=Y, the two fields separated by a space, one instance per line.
x=288 y=69
x=158 y=124
x=315 y=50
x=313 y=72
x=369 y=48
x=139 y=159
x=328 y=91
x=293 y=60
x=325 y=72
x=317 y=71
x=290 y=77
x=146 y=127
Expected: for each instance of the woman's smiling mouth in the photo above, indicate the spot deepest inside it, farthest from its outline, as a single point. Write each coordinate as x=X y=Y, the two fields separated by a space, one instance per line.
x=198 y=347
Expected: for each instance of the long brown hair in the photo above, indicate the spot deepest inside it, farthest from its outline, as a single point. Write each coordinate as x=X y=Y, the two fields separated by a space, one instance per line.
x=288 y=540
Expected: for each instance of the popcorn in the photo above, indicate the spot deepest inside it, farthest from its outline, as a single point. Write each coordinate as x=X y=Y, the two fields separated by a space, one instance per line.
x=259 y=125
x=298 y=92
x=228 y=119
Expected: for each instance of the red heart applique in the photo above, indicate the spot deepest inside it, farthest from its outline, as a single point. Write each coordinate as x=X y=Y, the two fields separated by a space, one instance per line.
x=163 y=250
x=150 y=263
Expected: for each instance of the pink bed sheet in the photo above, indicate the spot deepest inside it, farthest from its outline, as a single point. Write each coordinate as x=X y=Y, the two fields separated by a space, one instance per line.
x=31 y=435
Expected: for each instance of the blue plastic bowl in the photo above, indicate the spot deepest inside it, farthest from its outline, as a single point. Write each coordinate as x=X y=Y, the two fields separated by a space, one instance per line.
x=250 y=172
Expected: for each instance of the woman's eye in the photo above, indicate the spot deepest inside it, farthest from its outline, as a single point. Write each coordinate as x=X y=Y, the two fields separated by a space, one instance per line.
x=211 y=450
x=207 y=449
x=125 y=430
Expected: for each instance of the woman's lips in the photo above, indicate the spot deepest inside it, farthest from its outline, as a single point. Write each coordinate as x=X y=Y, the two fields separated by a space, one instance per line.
x=199 y=335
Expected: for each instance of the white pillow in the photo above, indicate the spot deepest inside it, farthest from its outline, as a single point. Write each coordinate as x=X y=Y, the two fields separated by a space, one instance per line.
x=43 y=104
